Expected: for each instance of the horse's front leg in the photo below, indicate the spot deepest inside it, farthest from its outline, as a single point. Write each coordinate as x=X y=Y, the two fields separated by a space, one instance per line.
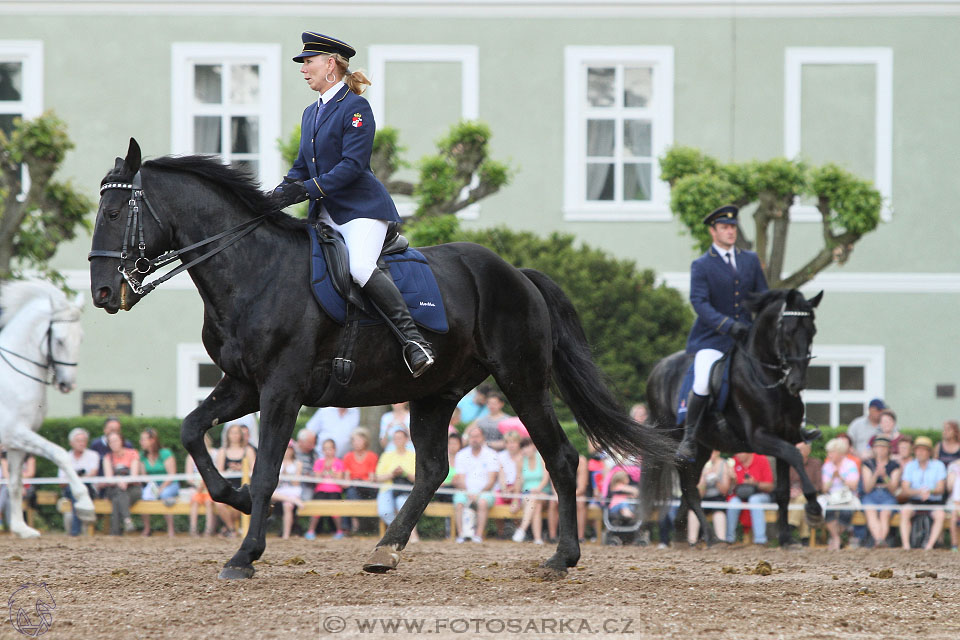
x=689 y=479
x=32 y=442
x=428 y=421
x=278 y=416
x=782 y=495
x=229 y=400
x=17 y=526
x=770 y=445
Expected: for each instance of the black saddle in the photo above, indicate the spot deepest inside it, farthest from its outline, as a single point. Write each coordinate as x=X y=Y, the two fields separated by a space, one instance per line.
x=338 y=263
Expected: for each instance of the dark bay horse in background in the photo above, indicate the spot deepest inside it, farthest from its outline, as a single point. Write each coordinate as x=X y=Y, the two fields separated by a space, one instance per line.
x=265 y=331
x=763 y=414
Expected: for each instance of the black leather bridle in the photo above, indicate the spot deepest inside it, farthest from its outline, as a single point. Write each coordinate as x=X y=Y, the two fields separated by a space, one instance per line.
x=46 y=366
x=133 y=237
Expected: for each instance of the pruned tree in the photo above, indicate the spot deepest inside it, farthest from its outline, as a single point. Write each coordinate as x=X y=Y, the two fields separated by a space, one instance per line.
x=32 y=225
x=849 y=206
x=458 y=175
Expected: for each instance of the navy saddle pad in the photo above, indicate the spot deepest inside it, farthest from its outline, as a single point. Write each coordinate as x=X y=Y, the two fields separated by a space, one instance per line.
x=410 y=272
x=719 y=395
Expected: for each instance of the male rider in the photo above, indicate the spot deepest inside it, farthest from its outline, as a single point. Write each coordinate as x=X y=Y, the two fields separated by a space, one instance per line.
x=720 y=281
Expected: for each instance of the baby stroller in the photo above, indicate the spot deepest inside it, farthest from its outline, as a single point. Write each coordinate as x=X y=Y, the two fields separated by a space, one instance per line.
x=621 y=509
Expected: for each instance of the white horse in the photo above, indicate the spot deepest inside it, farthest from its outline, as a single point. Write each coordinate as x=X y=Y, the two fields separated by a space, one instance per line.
x=39 y=332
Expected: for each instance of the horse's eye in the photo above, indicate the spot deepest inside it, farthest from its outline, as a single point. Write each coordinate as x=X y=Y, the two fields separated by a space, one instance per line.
x=113 y=214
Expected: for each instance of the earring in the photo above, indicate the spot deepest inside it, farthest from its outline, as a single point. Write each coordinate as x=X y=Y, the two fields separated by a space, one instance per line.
x=328 y=79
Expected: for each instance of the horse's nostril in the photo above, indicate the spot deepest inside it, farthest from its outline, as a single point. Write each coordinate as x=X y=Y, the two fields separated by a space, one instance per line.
x=103 y=294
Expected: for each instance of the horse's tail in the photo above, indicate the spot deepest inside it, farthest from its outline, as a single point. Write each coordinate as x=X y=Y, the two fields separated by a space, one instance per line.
x=581 y=384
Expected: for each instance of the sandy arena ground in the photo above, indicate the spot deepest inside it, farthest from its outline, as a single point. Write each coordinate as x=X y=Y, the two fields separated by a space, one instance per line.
x=157 y=587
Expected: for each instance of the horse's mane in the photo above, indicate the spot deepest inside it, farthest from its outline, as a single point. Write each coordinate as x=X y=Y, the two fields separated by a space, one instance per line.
x=234 y=181
x=16 y=294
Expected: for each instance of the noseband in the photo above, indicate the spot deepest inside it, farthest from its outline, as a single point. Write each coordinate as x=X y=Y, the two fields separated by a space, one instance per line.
x=783 y=366
x=46 y=366
x=143 y=265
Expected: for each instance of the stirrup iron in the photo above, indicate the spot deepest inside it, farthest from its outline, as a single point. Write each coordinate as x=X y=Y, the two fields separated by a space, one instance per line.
x=430 y=358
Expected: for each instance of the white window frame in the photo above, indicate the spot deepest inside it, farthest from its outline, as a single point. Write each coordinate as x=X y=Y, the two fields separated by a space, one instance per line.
x=30 y=54
x=873 y=360
x=185 y=55
x=189 y=391
x=468 y=56
x=575 y=205
x=882 y=60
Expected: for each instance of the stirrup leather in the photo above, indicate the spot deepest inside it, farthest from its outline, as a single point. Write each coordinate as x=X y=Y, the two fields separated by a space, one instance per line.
x=430 y=358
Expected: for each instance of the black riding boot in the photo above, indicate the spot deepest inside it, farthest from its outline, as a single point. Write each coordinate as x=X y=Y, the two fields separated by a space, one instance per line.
x=696 y=407
x=417 y=352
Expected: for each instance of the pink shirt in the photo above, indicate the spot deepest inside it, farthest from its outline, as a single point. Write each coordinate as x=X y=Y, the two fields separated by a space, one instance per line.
x=322 y=468
x=848 y=471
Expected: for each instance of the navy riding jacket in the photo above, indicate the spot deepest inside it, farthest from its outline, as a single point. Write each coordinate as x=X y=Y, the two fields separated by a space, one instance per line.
x=717 y=294
x=334 y=161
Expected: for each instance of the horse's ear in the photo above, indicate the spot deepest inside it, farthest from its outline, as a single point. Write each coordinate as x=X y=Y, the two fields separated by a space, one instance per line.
x=815 y=300
x=132 y=161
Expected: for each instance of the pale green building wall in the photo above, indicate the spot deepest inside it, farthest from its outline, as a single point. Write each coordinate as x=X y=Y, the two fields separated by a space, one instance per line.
x=113 y=81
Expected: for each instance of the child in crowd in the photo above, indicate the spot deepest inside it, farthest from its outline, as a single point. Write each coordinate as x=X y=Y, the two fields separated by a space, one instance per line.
x=622 y=494
x=287 y=492
x=201 y=496
x=329 y=467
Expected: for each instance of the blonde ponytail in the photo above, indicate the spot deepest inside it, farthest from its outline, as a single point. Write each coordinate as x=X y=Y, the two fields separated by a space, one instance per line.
x=356 y=81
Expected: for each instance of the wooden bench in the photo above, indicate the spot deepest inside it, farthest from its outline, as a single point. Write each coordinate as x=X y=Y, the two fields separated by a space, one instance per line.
x=858 y=519
x=342 y=508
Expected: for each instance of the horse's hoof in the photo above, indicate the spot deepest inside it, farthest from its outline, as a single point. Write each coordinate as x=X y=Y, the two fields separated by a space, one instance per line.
x=382 y=559
x=236 y=573
x=814 y=520
x=26 y=532
x=549 y=572
x=86 y=515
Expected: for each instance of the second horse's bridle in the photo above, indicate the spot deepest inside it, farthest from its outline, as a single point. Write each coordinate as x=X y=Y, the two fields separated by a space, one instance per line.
x=46 y=366
x=133 y=235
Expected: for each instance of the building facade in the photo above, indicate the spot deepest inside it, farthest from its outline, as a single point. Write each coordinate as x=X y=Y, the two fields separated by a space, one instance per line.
x=581 y=99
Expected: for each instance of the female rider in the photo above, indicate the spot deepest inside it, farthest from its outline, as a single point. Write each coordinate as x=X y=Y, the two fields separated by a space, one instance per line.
x=333 y=171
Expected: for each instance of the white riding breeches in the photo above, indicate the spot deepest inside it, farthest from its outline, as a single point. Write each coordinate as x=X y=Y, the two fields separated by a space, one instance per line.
x=701 y=370
x=364 y=239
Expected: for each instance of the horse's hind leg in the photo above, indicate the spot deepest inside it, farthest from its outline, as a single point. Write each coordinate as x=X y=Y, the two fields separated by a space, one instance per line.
x=229 y=400
x=429 y=418
x=17 y=526
x=535 y=410
x=277 y=419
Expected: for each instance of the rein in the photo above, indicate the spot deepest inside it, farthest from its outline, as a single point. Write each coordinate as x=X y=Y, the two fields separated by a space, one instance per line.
x=144 y=265
x=783 y=365
x=49 y=364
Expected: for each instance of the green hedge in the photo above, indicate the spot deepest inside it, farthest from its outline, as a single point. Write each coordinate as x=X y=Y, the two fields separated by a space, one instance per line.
x=168 y=429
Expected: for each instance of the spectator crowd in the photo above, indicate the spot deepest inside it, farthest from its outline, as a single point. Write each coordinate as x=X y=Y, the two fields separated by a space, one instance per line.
x=492 y=461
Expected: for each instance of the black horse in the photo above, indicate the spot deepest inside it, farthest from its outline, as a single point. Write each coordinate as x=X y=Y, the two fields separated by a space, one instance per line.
x=764 y=412
x=263 y=328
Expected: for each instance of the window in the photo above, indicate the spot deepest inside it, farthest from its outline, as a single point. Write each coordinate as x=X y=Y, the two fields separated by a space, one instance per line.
x=226 y=102
x=449 y=73
x=197 y=375
x=21 y=84
x=619 y=119
x=841 y=381
x=832 y=71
